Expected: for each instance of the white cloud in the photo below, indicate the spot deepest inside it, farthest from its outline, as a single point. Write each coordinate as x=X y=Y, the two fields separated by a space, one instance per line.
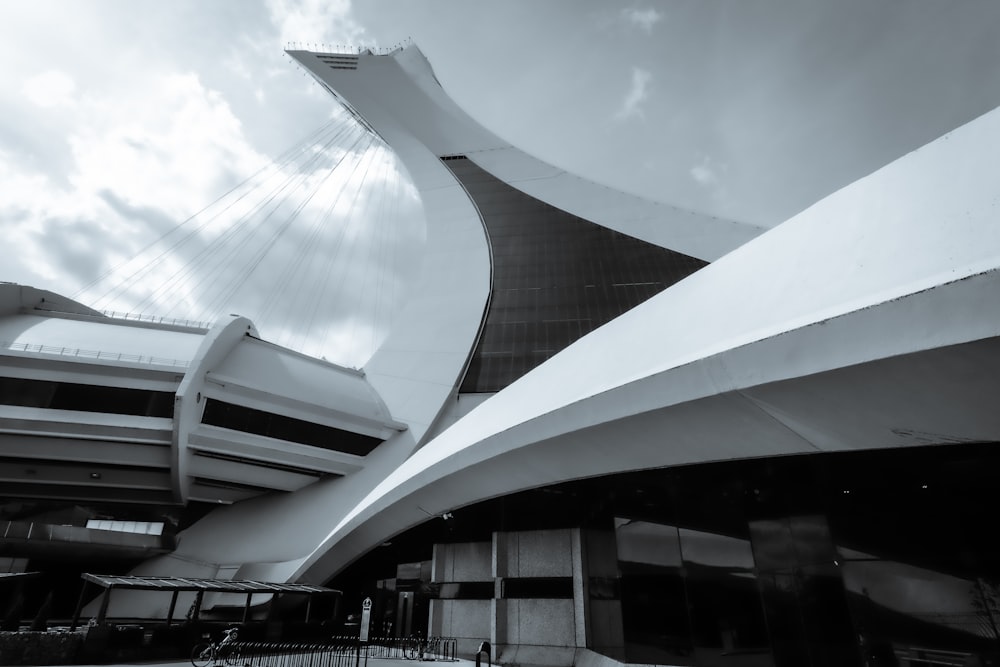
x=316 y=23
x=643 y=18
x=637 y=94
x=711 y=175
x=140 y=160
x=704 y=175
x=169 y=145
x=149 y=142
x=50 y=89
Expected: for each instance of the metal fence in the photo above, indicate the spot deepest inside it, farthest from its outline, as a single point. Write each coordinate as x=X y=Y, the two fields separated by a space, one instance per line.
x=338 y=652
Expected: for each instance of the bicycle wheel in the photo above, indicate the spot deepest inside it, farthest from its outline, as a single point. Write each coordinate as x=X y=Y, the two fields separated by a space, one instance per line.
x=203 y=654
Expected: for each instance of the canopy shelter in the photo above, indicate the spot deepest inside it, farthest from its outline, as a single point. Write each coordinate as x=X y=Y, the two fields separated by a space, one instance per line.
x=175 y=585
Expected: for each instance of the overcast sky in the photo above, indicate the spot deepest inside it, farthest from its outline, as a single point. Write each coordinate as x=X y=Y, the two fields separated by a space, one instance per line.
x=121 y=118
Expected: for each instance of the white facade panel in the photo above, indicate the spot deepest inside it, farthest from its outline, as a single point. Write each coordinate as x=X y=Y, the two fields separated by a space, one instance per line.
x=294 y=377
x=124 y=341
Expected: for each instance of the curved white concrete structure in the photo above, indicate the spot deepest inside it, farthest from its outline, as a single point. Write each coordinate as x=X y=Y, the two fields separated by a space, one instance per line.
x=96 y=409
x=867 y=321
x=399 y=91
x=739 y=360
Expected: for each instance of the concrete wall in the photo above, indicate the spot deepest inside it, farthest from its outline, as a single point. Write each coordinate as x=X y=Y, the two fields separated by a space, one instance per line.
x=468 y=621
x=531 y=630
x=465 y=561
x=536 y=630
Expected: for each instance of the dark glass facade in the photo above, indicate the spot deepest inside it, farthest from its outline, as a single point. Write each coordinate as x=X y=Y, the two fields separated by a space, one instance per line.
x=556 y=278
x=259 y=422
x=31 y=393
x=853 y=559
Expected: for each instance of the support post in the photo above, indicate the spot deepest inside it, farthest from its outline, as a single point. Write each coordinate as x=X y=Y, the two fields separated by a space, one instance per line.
x=79 y=606
x=173 y=605
x=102 y=614
x=246 y=608
x=197 y=605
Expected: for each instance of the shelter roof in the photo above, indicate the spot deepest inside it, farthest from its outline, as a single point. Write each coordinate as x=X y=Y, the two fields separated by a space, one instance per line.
x=211 y=585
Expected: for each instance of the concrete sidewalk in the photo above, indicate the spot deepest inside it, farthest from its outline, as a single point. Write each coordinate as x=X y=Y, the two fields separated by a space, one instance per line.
x=371 y=662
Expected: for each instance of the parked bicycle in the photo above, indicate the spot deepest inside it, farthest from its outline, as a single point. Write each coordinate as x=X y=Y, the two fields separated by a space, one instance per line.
x=418 y=648
x=217 y=653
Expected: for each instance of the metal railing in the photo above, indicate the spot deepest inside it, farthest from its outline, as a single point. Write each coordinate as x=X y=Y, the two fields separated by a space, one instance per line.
x=261 y=654
x=138 y=317
x=94 y=354
x=339 y=651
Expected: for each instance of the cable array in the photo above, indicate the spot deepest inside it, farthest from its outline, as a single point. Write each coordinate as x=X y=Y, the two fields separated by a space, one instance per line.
x=308 y=247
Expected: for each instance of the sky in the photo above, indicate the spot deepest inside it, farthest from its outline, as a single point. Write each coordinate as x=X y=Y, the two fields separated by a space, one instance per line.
x=123 y=118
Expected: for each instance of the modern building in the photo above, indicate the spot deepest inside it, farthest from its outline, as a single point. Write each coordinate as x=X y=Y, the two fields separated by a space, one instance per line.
x=603 y=429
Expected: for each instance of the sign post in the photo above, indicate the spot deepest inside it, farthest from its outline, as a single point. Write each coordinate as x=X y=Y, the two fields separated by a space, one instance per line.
x=366 y=619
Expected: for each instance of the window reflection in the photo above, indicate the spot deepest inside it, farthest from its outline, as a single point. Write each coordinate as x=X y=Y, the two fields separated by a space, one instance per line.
x=689 y=596
x=712 y=550
x=645 y=543
x=901 y=605
x=654 y=605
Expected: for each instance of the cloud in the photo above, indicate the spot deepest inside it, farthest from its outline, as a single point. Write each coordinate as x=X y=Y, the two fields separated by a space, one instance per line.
x=50 y=89
x=704 y=175
x=637 y=94
x=139 y=160
x=643 y=18
x=710 y=175
x=149 y=142
x=163 y=145
x=316 y=22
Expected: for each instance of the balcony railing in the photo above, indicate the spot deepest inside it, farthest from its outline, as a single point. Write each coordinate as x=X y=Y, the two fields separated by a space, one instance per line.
x=66 y=351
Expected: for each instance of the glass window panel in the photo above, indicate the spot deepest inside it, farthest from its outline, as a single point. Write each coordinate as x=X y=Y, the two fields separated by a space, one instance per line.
x=549 y=256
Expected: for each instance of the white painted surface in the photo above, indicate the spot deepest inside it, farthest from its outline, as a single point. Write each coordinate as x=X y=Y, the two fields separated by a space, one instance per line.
x=419 y=365
x=695 y=234
x=862 y=302
x=903 y=261
x=189 y=403
x=291 y=378
x=105 y=336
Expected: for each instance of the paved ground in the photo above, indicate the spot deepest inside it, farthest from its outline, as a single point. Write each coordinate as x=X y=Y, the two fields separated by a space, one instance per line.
x=372 y=662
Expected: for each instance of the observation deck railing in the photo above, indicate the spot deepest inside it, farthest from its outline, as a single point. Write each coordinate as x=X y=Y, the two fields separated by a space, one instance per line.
x=66 y=351
x=138 y=317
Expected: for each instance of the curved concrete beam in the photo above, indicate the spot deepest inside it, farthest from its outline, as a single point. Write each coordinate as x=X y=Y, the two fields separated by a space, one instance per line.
x=419 y=365
x=902 y=265
x=220 y=340
x=402 y=87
